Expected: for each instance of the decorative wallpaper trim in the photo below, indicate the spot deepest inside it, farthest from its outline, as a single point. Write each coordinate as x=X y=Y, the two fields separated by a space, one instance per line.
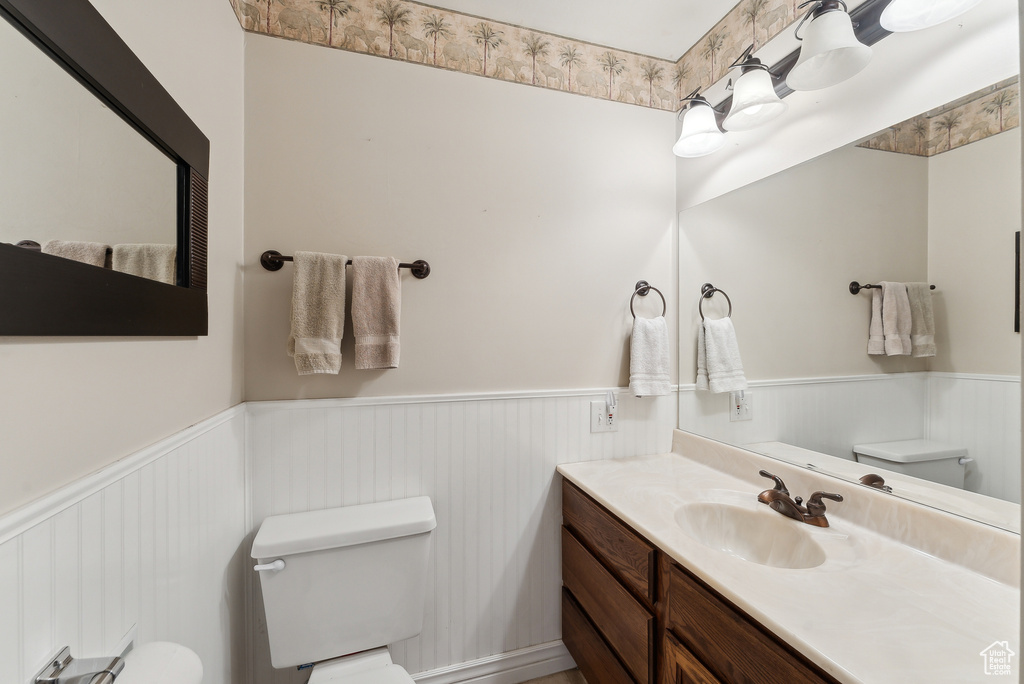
x=750 y=22
x=982 y=114
x=432 y=36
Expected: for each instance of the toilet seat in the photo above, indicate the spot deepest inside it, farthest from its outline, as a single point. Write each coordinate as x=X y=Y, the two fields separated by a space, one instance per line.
x=368 y=667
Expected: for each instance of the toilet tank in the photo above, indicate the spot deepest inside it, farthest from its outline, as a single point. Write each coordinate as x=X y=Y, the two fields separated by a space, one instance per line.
x=354 y=578
x=928 y=460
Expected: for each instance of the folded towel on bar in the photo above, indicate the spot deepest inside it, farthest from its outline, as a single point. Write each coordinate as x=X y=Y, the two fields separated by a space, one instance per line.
x=92 y=253
x=156 y=262
x=922 y=319
x=719 y=368
x=896 y=318
x=876 y=336
x=649 y=358
x=376 y=310
x=318 y=312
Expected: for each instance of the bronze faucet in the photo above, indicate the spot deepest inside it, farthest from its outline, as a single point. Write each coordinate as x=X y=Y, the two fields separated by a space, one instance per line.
x=876 y=481
x=778 y=499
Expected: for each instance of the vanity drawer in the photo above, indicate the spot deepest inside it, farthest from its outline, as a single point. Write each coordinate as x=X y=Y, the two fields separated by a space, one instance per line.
x=681 y=667
x=623 y=621
x=736 y=648
x=595 y=660
x=628 y=556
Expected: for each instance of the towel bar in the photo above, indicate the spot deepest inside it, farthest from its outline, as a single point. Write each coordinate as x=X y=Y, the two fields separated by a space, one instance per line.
x=856 y=287
x=272 y=260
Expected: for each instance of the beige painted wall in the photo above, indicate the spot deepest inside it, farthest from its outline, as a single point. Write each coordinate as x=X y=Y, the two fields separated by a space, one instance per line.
x=72 y=406
x=537 y=210
x=974 y=198
x=785 y=250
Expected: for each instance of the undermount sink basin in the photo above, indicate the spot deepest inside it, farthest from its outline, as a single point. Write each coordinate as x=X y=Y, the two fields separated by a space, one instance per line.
x=759 y=535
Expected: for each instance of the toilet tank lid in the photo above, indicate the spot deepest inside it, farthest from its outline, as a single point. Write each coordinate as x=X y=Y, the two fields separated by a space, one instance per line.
x=910 y=450
x=284 y=535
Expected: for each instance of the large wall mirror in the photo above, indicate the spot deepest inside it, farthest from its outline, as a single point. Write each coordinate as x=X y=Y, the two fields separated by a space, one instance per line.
x=934 y=196
x=103 y=184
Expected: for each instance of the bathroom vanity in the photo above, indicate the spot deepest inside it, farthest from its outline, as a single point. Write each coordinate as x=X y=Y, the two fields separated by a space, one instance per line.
x=673 y=573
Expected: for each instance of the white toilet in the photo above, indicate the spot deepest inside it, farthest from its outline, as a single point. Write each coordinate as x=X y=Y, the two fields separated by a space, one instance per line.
x=341 y=584
x=928 y=460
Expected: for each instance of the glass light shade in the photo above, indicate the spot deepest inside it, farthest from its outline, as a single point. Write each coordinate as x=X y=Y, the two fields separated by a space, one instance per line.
x=830 y=54
x=754 y=102
x=700 y=134
x=912 y=15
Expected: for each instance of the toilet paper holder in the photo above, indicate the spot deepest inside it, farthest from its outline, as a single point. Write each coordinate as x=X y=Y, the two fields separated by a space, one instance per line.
x=63 y=669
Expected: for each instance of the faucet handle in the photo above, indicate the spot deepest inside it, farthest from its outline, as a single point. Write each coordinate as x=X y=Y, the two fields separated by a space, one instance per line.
x=780 y=486
x=815 y=507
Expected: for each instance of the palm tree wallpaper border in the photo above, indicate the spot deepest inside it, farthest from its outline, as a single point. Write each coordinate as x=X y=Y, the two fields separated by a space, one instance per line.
x=982 y=114
x=422 y=34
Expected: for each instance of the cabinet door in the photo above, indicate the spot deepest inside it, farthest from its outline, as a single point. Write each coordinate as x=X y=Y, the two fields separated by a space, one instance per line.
x=681 y=667
x=738 y=648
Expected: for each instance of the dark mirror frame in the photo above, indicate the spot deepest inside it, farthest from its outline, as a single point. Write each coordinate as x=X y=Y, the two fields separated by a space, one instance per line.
x=44 y=295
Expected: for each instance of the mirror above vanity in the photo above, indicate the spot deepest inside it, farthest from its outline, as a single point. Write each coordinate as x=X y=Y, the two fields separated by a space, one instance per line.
x=791 y=213
x=104 y=184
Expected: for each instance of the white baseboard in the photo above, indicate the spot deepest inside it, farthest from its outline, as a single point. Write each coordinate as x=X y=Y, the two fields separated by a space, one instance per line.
x=505 y=668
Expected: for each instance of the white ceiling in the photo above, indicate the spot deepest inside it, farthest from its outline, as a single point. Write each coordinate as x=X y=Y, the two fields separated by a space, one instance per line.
x=657 y=28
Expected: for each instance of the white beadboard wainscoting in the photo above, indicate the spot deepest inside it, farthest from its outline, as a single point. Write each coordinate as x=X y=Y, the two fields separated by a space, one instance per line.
x=981 y=413
x=149 y=545
x=830 y=415
x=488 y=464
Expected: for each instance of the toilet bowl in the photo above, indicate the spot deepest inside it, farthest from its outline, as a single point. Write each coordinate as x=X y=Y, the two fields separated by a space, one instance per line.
x=928 y=460
x=341 y=584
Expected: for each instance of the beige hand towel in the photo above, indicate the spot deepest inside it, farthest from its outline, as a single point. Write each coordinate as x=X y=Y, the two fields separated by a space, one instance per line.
x=649 y=358
x=922 y=319
x=376 y=309
x=896 y=318
x=318 y=312
x=719 y=367
x=156 y=262
x=92 y=253
x=876 y=337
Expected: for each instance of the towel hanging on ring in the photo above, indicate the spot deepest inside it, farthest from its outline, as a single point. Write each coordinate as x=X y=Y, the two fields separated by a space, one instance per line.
x=649 y=349
x=719 y=367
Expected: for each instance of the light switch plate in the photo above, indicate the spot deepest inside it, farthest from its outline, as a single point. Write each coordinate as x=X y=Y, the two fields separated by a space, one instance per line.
x=600 y=418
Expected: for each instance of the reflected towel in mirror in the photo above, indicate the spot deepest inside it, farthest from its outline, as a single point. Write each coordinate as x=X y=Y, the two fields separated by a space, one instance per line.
x=719 y=367
x=155 y=262
x=92 y=253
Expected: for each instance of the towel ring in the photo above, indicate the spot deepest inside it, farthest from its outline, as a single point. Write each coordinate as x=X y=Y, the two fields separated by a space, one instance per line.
x=707 y=291
x=643 y=288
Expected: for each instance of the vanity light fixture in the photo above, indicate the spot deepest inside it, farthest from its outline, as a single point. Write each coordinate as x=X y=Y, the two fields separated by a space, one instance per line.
x=830 y=53
x=913 y=15
x=700 y=135
x=754 y=100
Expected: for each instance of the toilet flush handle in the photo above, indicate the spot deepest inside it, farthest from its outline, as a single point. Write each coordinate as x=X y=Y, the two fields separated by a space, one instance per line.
x=964 y=460
x=276 y=566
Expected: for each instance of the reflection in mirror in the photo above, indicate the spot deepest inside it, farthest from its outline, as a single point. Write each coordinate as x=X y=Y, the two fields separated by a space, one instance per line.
x=75 y=178
x=936 y=199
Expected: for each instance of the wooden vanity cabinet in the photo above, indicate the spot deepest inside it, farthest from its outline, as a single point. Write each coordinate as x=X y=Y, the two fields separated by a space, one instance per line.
x=632 y=615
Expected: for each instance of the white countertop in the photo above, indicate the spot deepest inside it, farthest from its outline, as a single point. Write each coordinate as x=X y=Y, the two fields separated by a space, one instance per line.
x=881 y=608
